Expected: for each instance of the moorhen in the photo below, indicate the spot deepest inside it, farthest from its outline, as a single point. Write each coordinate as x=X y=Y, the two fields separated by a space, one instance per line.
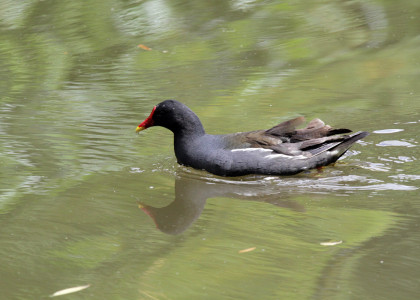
x=281 y=150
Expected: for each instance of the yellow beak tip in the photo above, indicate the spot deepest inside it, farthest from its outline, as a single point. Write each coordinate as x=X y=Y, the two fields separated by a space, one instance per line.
x=139 y=128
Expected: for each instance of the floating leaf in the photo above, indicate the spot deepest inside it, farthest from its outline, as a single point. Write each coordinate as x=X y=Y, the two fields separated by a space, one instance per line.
x=144 y=47
x=70 y=290
x=247 y=250
x=331 y=243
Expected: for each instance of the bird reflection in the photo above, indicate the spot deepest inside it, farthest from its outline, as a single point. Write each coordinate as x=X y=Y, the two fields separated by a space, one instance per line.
x=191 y=194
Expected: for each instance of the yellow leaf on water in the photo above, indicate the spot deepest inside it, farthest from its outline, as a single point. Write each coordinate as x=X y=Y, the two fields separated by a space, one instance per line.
x=247 y=250
x=144 y=47
x=70 y=290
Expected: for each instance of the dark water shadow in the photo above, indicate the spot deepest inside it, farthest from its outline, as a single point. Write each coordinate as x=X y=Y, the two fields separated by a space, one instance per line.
x=192 y=189
x=192 y=192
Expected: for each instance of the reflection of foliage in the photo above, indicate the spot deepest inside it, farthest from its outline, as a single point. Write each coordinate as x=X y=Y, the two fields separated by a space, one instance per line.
x=69 y=61
x=291 y=261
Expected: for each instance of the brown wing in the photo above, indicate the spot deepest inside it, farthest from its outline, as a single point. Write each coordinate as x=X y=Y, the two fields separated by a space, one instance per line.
x=284 y=138
x=286 y=128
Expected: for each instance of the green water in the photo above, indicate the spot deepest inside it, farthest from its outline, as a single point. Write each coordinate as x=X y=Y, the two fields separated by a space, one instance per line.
x=84 y=200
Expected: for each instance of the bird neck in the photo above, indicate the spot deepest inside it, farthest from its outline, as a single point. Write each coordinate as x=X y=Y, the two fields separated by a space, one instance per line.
x=189 y=125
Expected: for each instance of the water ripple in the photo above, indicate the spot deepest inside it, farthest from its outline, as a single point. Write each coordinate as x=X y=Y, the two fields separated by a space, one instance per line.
x=271 y=184
x=395 y=143
x=386 y=131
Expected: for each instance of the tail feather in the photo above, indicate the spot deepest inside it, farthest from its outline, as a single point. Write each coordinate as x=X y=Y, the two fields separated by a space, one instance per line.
x=342 y=147
x=331 y=152
x=333 y=131
x=333 y=143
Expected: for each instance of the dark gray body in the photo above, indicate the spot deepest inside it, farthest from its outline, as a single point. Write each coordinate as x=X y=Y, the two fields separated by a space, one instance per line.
x=218 y=158
x=281 y=150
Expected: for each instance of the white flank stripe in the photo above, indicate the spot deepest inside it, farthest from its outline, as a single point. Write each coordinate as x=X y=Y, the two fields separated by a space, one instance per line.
x=271 y=153
x=252 y=150
x=271 y=156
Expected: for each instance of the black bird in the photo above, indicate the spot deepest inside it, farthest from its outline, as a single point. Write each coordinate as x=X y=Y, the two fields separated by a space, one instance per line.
x=281 y=150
